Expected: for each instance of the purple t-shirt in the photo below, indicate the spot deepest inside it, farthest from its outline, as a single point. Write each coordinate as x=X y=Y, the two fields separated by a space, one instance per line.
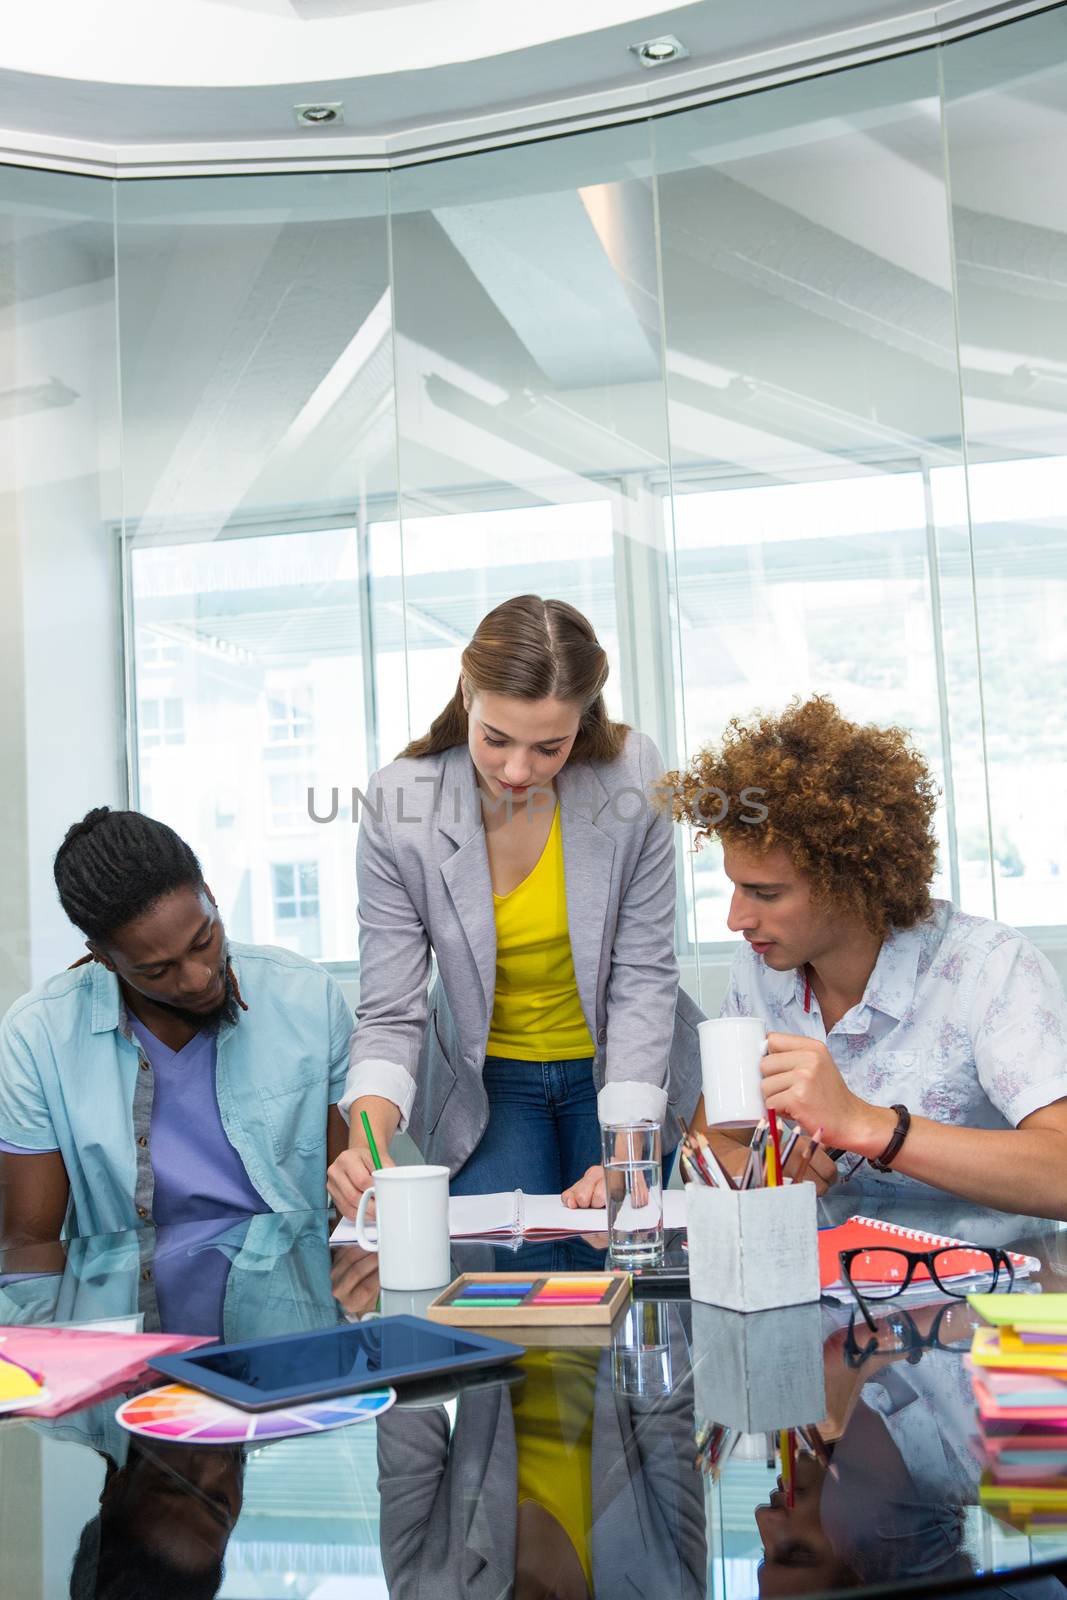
x=198 y=1173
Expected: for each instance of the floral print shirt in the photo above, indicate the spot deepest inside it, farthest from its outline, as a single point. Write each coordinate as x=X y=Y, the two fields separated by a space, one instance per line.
x=963 y=1021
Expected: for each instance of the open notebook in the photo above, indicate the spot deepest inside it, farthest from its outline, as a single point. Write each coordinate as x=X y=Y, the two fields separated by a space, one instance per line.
x=513 y=1214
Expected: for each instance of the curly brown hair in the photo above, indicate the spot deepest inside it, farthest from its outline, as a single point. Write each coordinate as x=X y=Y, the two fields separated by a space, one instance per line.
x=851 y=805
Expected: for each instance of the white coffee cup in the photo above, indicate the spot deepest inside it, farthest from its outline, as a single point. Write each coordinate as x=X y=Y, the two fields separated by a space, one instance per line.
x=731 y=1051
x=412 y=1217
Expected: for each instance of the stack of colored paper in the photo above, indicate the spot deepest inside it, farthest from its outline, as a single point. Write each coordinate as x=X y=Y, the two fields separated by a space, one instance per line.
x=80 y=1366
x=1019 y=1371
x=19 y=1386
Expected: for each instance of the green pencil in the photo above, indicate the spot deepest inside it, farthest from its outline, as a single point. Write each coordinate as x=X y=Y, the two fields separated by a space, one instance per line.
x=363 y=1117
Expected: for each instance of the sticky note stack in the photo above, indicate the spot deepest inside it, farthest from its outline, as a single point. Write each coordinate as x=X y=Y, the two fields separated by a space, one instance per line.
x=18 y=1385
x=1019 y=1370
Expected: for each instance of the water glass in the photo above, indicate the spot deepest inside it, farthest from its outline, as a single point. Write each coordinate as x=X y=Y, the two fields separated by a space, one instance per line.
x=641 y=1350
x=633 y=1185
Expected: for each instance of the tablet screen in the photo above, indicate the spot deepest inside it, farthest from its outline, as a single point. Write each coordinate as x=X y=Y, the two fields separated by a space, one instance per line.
x=358 y=1354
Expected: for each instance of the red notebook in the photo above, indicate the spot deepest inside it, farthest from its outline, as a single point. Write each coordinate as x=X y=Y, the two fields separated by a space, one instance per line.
x=867 y=1233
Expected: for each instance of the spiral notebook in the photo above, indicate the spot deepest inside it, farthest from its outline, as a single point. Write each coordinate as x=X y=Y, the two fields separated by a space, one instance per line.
x=513 y=1214
x=965 y=1264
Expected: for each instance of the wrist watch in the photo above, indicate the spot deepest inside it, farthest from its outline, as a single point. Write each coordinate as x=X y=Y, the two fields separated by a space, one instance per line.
x=884 y=1162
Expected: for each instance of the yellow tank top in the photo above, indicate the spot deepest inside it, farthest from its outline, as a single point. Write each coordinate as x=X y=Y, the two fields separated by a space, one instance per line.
x=536 y=1012
x=554 y=1440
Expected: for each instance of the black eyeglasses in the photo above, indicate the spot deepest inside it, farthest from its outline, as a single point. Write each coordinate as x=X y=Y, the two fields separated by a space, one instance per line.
x=898 y=1334
x=883 y=1274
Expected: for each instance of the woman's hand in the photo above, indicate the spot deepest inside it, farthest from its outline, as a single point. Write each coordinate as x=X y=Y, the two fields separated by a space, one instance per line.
x=588 y=1191
x=350 y=1175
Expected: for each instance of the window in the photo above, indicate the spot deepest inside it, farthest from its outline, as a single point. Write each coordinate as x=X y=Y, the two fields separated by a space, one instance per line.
x=288 y=802
x=160 y=722
x=455 y=568
x=795 y=589
x=269 y=636
x=289 y=715
x=1015 y=756
x=159 y=651
x=295 y=890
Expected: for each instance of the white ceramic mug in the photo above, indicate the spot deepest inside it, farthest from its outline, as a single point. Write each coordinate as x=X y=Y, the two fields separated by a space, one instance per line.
x=412 y=1227
x=731 y=1051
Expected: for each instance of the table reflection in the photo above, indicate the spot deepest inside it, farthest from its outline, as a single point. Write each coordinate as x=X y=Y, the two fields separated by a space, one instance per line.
x=578 y=1472
x=557 y=1484
x=165 y=1518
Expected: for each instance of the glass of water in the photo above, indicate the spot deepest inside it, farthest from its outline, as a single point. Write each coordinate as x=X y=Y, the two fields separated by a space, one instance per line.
x=641 y=1350
x=633 y=1186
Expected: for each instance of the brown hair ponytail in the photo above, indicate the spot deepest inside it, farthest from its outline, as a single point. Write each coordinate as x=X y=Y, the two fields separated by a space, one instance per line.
x=533 y=649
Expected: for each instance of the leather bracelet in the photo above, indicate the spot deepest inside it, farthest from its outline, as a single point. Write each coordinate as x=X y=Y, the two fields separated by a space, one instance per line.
x=884 y=1162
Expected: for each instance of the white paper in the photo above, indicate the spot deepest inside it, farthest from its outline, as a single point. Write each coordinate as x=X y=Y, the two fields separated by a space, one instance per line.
x=510 y=1213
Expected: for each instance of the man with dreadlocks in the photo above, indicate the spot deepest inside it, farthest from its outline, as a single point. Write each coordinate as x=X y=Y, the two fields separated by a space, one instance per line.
x=168 y=1076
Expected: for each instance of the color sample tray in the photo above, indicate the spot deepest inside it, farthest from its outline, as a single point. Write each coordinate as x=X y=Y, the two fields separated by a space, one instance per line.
x=530 y=1299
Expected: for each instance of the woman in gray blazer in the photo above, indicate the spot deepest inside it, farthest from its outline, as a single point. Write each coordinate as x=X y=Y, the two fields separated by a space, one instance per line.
x=518 y=844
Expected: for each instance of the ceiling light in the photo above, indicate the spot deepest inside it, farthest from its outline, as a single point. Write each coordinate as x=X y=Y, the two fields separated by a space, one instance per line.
x=318 y=115
x=657 y=52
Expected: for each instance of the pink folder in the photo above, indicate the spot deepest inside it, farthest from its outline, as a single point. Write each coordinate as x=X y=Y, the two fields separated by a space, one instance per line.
x=80 y=1365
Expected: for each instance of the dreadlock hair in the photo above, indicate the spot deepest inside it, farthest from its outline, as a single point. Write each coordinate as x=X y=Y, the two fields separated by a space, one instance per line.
x=114 y=865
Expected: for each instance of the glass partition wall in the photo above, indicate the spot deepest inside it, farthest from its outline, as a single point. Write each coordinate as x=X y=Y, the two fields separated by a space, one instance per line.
x=773 y=389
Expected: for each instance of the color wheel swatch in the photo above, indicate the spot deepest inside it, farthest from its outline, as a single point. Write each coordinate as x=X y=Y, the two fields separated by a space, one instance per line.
x=179 y=1414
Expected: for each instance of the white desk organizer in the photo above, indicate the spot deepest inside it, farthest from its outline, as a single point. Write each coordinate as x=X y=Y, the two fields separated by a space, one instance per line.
x=760 y=1372
x=753 y=1249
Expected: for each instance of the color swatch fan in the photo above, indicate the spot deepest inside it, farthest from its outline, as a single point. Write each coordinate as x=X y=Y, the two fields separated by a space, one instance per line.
x=184 y=1416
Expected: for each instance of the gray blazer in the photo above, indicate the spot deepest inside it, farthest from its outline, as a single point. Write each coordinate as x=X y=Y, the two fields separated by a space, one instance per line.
x=449 y=1504
x=424 y=888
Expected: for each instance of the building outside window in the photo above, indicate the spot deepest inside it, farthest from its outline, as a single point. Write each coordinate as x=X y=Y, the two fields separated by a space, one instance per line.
x=295 y=891
x=160 y=722
x=290 y=717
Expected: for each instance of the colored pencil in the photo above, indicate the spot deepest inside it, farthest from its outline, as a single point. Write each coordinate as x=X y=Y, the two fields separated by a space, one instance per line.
x=813 y=1144
x=368 y=1135
x=697 y=1158
x=716 y=1171
x=691 y=1170
x=817 y=1445
x=751 y=1170
x=772 y=1119
x=789 y=1146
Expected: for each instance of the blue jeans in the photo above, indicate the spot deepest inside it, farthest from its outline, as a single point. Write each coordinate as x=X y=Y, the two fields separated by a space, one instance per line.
x=542 y=1133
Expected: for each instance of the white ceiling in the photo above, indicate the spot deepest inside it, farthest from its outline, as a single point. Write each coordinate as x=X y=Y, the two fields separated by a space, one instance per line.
x=286 y=41
x=212 y=84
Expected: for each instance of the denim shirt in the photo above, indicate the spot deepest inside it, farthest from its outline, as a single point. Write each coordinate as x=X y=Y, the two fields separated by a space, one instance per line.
x=73 y=1077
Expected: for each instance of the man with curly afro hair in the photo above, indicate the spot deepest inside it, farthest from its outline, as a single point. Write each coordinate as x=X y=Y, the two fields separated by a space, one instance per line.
x=920 y=1044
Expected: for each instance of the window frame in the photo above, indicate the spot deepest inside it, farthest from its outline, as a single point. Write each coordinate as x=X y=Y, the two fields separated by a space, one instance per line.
x=646 y=588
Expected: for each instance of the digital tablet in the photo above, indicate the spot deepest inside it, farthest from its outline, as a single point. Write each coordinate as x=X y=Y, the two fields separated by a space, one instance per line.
x=265 y=1373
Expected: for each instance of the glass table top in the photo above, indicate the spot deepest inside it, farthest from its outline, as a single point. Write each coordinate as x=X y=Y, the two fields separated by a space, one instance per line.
x=640 y=1459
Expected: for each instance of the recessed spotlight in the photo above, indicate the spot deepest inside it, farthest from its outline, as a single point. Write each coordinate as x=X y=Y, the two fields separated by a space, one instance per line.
x=318 y=116
x=657 y=52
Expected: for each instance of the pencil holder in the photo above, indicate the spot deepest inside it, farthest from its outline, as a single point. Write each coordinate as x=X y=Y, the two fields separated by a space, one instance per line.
x=758 y=1372
x=752 y=1249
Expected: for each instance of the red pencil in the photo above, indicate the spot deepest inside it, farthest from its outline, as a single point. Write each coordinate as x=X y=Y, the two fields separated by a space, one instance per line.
x=772 y=1119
